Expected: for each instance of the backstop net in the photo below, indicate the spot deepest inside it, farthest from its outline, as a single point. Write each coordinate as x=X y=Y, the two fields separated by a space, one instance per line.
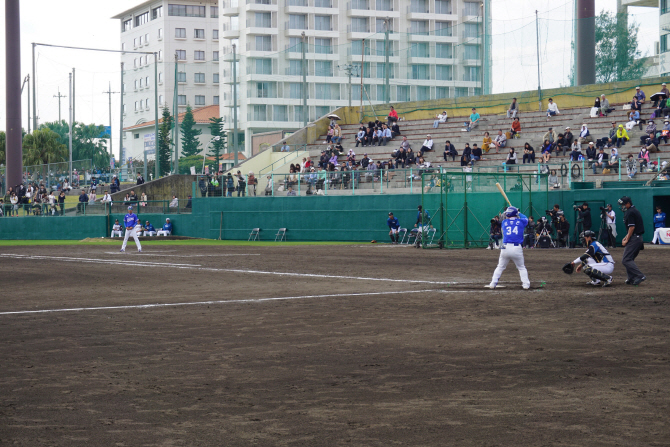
x=460 y=205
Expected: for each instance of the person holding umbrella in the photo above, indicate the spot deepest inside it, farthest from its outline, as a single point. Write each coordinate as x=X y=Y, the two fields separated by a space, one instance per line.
x=665 y=91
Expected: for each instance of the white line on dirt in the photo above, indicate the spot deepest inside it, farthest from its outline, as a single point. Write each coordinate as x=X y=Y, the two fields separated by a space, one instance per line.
x=255 y=300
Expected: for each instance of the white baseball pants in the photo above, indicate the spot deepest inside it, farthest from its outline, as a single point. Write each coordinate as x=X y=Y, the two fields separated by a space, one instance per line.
x=162 y=233
x=657 y=234
x=149 y=233
x=116 y=234
x=132 y=233
x=511 y=253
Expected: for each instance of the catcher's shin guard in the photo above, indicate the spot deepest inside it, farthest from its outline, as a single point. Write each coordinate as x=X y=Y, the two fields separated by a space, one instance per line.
x=596 y=274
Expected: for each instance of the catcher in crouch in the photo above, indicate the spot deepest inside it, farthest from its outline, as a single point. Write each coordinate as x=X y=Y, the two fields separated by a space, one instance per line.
x=597 y=262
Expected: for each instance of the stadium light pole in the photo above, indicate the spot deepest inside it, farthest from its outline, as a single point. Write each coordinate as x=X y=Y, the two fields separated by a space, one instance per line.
x=156 y=170
x=235 y=102
x=70 y=132
x=120 y=120
x=34 y=95
x=14 y=150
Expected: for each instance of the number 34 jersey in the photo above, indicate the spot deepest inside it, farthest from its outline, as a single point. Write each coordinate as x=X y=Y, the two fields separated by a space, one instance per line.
x=512 y=229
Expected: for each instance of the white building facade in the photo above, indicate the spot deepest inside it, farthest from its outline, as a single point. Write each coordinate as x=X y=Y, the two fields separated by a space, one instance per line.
x=436 y=50
x=185 y=33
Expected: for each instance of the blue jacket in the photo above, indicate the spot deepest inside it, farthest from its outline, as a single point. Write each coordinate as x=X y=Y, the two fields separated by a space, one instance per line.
x=659 y=220
x=167 y=227
x=426 y=218
x=393 y=223
x=149 y=227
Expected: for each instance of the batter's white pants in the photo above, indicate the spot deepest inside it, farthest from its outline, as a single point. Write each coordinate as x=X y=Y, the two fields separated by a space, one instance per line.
x=116 y=234
x=162 y=233
x=149 y=233
x=132 y=233
x=511 y=253
x=657 y=234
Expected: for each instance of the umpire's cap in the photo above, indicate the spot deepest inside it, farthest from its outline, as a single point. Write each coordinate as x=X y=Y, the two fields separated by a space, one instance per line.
x=624 y=200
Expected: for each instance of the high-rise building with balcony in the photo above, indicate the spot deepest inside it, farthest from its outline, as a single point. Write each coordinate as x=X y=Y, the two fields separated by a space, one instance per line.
x=435 y=49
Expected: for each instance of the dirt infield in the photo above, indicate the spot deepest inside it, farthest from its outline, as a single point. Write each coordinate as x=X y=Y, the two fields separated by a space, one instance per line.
x=327 y=346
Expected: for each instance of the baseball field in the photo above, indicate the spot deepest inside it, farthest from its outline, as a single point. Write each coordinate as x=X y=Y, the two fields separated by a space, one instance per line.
x=327 y=345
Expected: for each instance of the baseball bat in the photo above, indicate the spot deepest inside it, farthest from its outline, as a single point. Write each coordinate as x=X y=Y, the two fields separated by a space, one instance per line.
x=503 y=193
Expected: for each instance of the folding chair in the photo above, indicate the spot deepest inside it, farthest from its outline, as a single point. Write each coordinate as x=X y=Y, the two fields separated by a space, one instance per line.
x=402 y=232
x=430 y=235
x=255 y=234
x=281 y=234
x=411 y=236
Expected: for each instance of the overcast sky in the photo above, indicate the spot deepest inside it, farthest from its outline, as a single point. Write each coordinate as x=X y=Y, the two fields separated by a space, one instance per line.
x=88 y=23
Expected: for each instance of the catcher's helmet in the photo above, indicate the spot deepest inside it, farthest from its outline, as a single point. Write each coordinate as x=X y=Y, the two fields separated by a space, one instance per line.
x=511 y=211
x=587 y=233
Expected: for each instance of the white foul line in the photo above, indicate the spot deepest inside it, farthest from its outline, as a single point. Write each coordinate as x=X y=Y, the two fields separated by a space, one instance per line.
x=211 y=269
x=255 y=300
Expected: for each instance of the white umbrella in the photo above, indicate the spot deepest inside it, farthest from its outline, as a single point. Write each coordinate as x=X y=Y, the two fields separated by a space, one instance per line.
x=332 y=116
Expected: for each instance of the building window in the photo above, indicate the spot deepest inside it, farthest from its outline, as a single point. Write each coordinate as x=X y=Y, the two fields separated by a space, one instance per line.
x=443 y=72
x=186 y=11
x=325 y=68
x=420 y=6
x=215 y=56
x=263 y=43
x=126 y=25
x=471 y=52
x=156 y=13
x=216 y=101
x=294 y=44
x=141 y=83
x=357 y=48
x=264 y=66
x=124 y=111
x=214 y=12
x=461 y=91
x=161 y=99
x=418 y=27
x=664 y=43
x=215 y=78
x=215 y=34
x=160 y=55
x=403 y=93
x=136 y=136
x=444 y=51
x=297 y=21
x=420 y=71
x=181 y=100
x=264 y=90
x=160 y=77
x=359 y=25
x=381 y=93
x=294 y=67
x=137 y=106
x=299 y=113
x=146 y=82
x=420 y=50
x=199 y=100
x=136 y=84
x=123 y=47
x=323 y=4
x=471 y=74
x=199 y=78
x=322 y=23
x=181 y=76
x=135 y=42
x=441 y=92
x=279 y=113
x=181 y=55
x=384 y=5
x=381 y=70
x=443 y=29
x=135 y=63
x=160 y=33
x=142 y=19
x=471 y=30
x=295 y=90
x=471 y=8
x=259 y=112
x=322 y=91
x=263 y=20
x=360 y=4
x=199 y=33
x=146 y=39
x=323 y=46
x=297 y=2
x=422 y=93
x=442 y=7
x=199 y=55
x=146 y=103
x=180 y=33
x=365 y=71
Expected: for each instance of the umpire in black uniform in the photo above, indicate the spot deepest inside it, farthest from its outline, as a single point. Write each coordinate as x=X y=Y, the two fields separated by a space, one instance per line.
x=632 y=241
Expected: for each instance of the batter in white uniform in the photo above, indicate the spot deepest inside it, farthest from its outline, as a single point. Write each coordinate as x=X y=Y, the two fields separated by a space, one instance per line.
x=512 y=247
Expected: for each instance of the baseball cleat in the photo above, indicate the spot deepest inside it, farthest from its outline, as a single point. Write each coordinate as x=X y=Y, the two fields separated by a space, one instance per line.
x=638 y=281
x=628 y=282
x=491 y=286
x=593 y=283
x=122 y=250
x=607 y=283
x=526 y=287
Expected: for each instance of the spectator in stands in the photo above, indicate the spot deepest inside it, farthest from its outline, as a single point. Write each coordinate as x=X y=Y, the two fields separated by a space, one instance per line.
x=149 y=229
x=487 y=142
x=545 y=150
x=467 y=155
x=516 y=127
x=230 y=184
x=287 y=148
x=643 y=159
x=323 y=159
x=400 y=157
x=500 y=141
x=635 y=104
x=189 y=202
x=662 y=108
x=427 y=145
x=591 y=153
x=440 y=118
x=392 y=117
x=83 y=201
x=61 y=202
x=552 y=109
x=91 y=196
x=640 y=96
x=601 y=142
x=550 y=135
x=560 y=144
x=604 y=105
x=513 y=109
x=377 y=136
x=562 y=231
x=450 y=151
x=290 y=192
x=600 y=160
x=474 y=120
x=633 y=120
x=369 y=137
x=613 y=163
x=365 y=161
x=351 y=156
x=495 y=233
x=360 y=138
x=332 y=160
x=241 y=184
x=664 y=89
x=133 y=198
x=411 y=158
x=511 y=157
x=631 y=166
x=476 y=154
x=166 y=230
x=528 y=153
x=140 y=179
x=584 y=135
x=395 y=130
x=405 y=144
x=650 y=132
x=144 y=199
x=116 y=185
x=329 y=134
x=665 y=132
x=576 y=153
x=337 y=134
x=386 y=135
x=174 y=203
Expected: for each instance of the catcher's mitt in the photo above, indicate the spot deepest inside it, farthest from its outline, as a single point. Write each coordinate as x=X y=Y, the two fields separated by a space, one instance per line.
x=569 y=268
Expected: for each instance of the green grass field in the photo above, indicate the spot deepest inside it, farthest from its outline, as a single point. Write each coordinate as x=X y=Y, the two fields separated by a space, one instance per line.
x=149 y=242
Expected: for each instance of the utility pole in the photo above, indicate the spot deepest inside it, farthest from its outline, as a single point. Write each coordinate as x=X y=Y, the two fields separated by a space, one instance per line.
x=28 y=81
x=59 y=96
x=387 y=22
x=235 y=102
x=72 y=98
x=14 y=150
x=305 y=113
x=537 y=38
x=108 y=92
x=34 y=95
x=70 y=133
x=120 y=120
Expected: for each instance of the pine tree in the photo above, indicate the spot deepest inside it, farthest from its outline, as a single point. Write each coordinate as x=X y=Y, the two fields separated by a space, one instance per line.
x=218 y=146
x=190 y=144
x=164 y=143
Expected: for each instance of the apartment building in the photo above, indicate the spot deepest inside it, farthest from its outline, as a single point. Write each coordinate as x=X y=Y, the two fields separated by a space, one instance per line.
x=436 y=49
x=185 y=33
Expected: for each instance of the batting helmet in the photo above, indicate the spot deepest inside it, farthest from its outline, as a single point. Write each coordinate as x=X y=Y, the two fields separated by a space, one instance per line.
x=511 y=211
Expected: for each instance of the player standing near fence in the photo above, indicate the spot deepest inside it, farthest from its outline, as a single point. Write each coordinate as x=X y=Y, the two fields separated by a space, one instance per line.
x=130 y=222
x=512 y=247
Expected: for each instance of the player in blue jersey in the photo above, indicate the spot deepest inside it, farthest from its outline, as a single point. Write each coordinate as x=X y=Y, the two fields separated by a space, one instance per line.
x=597 y=262
x=659 y=224
x=394 y=228
x=512 y=247
x=130 y=222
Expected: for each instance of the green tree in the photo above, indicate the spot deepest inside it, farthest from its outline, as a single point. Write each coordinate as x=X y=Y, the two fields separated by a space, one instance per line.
x=43 y=146
x=190 y=144
x=218 y=146
x=618 y=57
x=3 y=144
x=185 y=164
x=86 y=141
x=164 y=148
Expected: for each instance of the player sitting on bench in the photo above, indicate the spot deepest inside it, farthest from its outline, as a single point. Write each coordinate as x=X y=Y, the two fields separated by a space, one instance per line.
x=167 y=229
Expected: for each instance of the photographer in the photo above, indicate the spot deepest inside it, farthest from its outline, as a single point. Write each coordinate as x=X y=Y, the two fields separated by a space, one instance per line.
x=529 y=233
x=554 y=214
x=495 y=233
x=584 y=215
x=562 y=231
x=610 y=219
x=543 y=225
